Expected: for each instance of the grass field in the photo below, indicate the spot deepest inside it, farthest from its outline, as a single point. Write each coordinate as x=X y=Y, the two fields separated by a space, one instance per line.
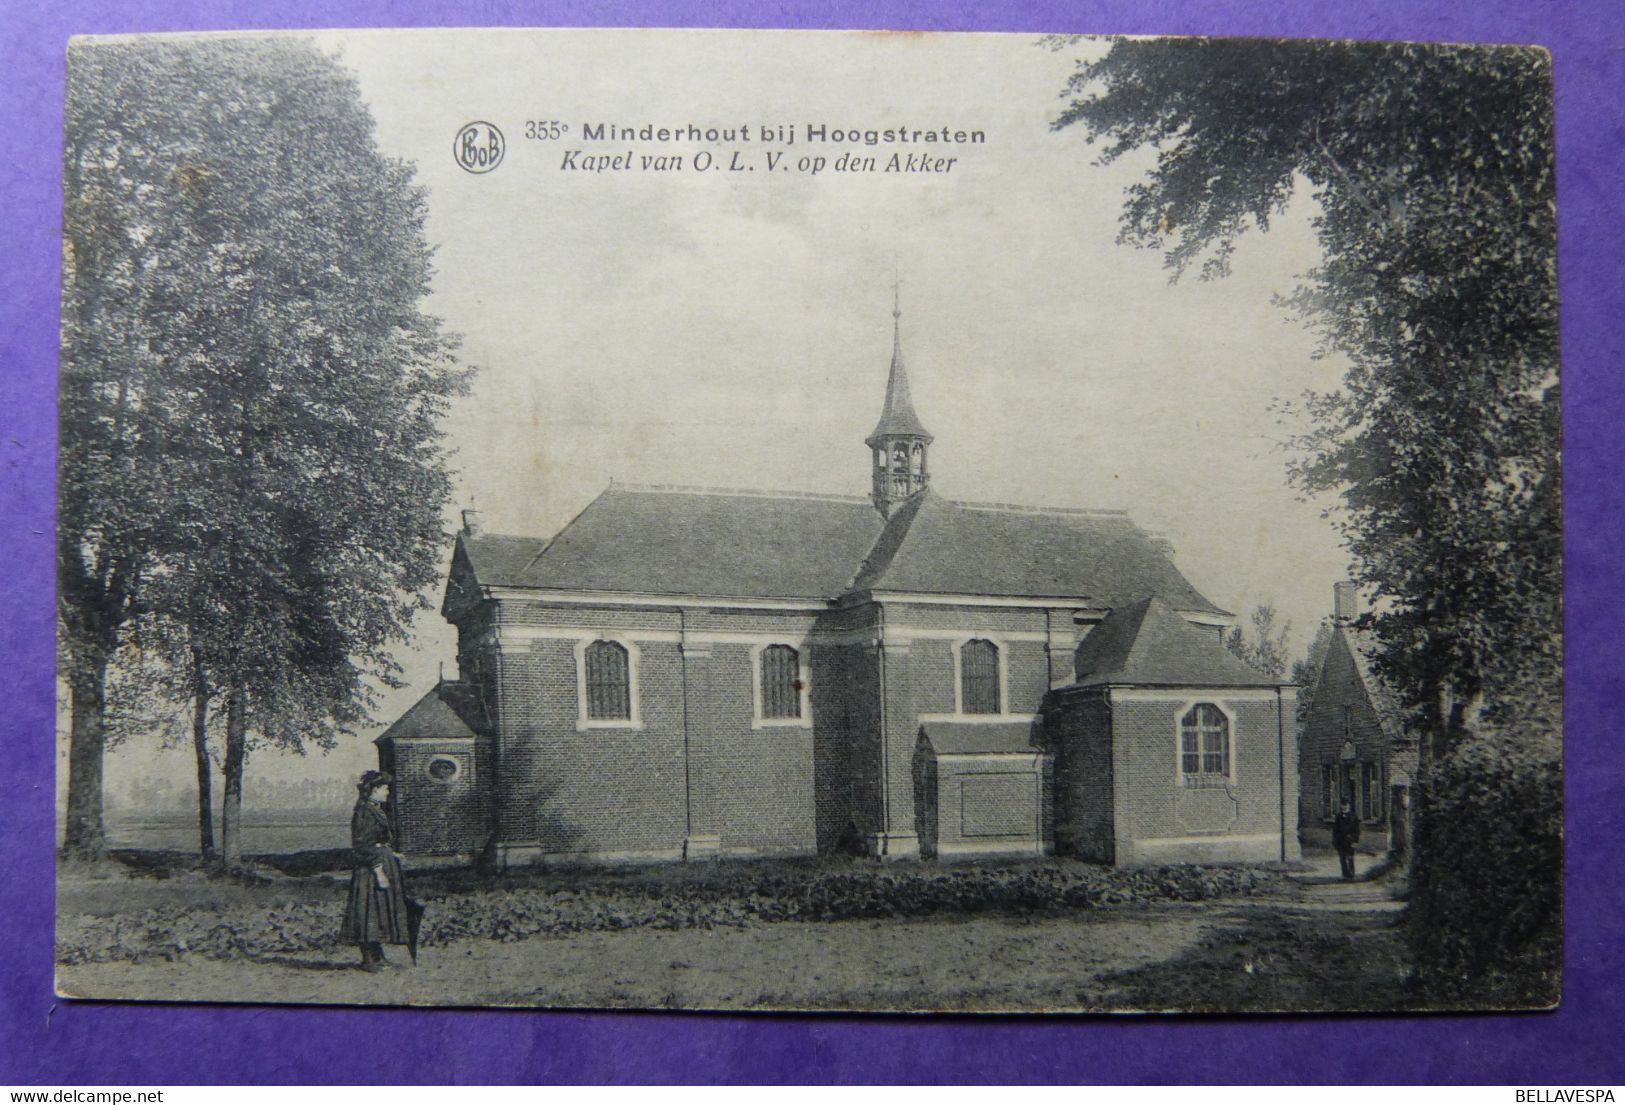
x=815 y=935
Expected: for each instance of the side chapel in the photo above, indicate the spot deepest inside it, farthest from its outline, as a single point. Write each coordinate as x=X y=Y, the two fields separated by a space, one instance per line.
x=684 y=673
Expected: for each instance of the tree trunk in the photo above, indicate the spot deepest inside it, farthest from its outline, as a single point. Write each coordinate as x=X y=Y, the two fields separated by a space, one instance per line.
x=231 y=801
x=1444 y=712
x=86 y=836
x=200 y=747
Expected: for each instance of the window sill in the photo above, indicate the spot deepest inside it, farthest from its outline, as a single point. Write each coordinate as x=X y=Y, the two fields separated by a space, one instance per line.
x=958 y=716
x=582 y=726
x=781 y=723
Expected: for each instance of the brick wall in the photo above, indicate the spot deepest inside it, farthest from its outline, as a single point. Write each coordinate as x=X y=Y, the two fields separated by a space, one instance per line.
x=1000 y=619
x=563 y=614
x=438 y=816
x=832 y=672
x=1326 y=729
x=1078 y=733
x=601 y=790
x=986 y=805
x=931 y=666
x=931 y=674
x=752 y=787
x=787 y=624
x=1027 y=663
x=1241 y=821
x=847 y=618
x=902 y=729
x=920 y=674
x=696 y=767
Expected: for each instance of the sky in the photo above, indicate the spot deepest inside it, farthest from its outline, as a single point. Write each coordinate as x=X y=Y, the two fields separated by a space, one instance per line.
x=734 y=329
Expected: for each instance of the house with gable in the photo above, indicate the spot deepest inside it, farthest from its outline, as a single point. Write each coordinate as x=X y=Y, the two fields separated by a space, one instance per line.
x=1355 y=743
x=682 y=673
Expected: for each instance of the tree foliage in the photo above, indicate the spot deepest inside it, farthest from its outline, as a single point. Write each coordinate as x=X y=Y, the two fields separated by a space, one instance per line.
x=253 y=477
x=1264 y=649
x=1432 y=172
x=1306 y=672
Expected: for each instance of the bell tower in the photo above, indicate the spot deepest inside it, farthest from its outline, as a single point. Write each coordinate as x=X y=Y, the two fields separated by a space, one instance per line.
x=897 y=448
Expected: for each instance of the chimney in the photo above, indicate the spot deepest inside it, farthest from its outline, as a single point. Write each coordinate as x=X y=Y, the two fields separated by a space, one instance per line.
x=1345 y=602
x=471 y=522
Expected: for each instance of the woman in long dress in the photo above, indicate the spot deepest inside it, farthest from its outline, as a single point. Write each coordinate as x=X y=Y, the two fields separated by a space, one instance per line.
x=376 y=912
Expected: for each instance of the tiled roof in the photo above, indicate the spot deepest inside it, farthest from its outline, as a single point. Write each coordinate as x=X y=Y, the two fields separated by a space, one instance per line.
x=450 y=710
x=934 y=545
x=691 y=542
x=1362 y=646
x=499 y=559
x=1148 y=644
x=686 y=541
x=976 y=738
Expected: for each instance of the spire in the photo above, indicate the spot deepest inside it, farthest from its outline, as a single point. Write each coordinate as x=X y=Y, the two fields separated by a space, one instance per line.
x=898 y=444
x=897 y=417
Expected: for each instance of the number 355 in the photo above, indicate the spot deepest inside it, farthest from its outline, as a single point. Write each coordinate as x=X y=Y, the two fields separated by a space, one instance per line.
x=544 y=130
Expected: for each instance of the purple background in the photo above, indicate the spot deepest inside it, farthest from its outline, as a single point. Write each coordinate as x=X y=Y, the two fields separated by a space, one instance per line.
x=89 y=1043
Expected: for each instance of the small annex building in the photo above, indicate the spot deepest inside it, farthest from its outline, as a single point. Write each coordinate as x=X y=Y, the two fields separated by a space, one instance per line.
x=682 y=673
x=1355 y=743
x=1169 y=749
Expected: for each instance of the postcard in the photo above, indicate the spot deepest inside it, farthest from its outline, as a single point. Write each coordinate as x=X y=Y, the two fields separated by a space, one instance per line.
x=870 y=522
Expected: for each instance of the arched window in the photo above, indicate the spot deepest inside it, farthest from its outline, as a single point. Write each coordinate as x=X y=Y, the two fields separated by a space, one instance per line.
x=609 y=683
x=917 y=460
x=899 y=457
x=979 y=677
x=1204 y=744
x=781 y=682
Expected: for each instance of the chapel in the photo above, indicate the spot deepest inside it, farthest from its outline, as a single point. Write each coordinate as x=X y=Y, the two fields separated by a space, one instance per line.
x=683 y=673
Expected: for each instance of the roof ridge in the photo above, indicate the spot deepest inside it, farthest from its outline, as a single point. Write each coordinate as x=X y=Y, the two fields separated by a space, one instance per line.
x=1376 y=690
x=737 y=492
x=1019 y=508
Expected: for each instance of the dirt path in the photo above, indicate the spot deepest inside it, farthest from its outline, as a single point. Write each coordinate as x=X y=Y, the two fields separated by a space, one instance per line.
x=970 y=964
x=1326 y=944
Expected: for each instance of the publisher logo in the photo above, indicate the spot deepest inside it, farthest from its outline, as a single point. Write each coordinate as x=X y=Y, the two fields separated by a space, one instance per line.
x=478 y=147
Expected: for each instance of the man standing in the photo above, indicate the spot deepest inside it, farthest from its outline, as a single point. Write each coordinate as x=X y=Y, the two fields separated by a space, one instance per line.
x=1345 y=835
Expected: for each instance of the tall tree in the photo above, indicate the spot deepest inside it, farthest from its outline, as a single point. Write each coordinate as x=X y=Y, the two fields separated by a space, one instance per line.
x=1264 y=649
x=1432 y=172
x=1306 y=672
x=245 y=271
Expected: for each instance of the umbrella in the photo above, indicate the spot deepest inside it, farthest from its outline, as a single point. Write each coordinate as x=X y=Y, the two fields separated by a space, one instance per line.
x=414 y=921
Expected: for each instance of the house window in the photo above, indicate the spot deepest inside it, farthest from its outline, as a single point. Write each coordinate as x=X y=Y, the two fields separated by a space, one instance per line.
x=1204 y=745
x=781 y=682
x=1328 y=791
x=1348 y=722
x=979 y=677
x=609 y=682
x=1370 y=792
